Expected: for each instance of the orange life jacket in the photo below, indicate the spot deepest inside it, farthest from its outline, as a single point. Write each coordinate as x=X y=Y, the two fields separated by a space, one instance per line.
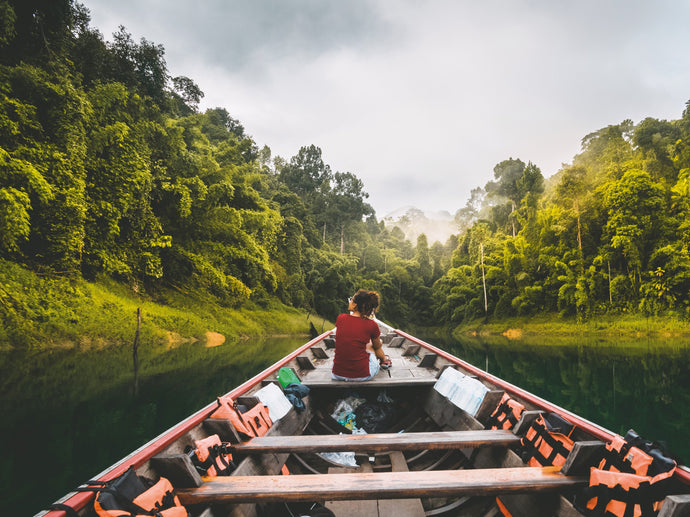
x=547 y=441
x=630 y=480
x=131 y=495
x=506 y=414
x=253 y=422
x=257 y=419
x=211 y=457
x=502 y=508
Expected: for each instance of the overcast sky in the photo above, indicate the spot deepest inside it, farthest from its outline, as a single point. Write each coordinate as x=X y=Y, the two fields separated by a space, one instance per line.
x=421 y=99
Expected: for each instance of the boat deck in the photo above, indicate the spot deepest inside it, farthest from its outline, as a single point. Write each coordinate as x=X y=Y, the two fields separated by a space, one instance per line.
x=410 y=366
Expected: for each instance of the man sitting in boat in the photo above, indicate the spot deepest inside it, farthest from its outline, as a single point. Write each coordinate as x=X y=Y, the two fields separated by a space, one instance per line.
x=358 y=347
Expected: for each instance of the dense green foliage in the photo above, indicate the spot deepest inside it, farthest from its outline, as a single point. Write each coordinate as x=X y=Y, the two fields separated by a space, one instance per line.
x=607 y=235
x=109 y=170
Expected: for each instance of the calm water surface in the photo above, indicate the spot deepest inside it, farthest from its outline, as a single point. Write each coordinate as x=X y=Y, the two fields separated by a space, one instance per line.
x=67 y=415
x=641 y=385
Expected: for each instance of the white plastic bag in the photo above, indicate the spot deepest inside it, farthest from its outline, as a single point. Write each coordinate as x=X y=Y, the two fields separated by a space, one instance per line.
x=346 y=459
x=275 y=400
x=463 y=391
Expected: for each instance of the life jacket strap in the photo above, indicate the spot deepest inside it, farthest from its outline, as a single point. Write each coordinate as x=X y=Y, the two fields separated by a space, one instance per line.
x=215 y=453
x=632 y=479
x=65 y=508
x=127 y=504
x=642 y=496
x=167 y=501
x=617 y=459
x=221 y=453
x=499 y=415
x=541 y=435
x=95 y=486
x=503 y=412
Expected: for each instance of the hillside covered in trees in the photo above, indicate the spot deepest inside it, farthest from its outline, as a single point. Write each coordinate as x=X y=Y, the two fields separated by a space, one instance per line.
x=109 y=169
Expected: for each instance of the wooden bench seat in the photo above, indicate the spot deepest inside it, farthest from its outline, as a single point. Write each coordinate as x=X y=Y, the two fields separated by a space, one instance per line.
x=375 y=507
x=380 y=381
x=384 y=485
x=382 y=442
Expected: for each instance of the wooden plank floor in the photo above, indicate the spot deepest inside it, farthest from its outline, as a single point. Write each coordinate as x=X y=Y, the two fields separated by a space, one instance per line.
x=360 y=508
x=377 y=507
x=404 y=370
x=385 y=485
x=400 y=507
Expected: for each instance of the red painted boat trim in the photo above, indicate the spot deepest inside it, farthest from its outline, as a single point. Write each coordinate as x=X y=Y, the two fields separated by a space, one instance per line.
x=590 y=427
x=80 y=499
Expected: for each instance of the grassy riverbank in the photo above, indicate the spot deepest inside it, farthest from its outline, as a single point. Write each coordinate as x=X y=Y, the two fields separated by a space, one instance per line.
x=43 y=312
x=548 y=329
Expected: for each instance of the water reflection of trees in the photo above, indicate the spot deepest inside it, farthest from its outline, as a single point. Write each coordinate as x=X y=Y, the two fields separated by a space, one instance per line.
x=79 y=405
x=640 y=385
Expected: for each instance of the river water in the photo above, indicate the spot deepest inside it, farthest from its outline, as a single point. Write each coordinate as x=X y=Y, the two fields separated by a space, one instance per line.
x=69 y=414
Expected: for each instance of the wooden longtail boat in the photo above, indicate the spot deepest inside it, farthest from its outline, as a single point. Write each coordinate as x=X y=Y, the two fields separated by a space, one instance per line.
x=431 y=452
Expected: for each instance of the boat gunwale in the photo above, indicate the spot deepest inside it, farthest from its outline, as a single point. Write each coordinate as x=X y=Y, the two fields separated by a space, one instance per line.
x=590 y=427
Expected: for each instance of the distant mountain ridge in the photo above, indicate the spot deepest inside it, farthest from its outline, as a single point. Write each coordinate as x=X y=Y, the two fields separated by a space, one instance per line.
x=441 y=215
x=437 y=226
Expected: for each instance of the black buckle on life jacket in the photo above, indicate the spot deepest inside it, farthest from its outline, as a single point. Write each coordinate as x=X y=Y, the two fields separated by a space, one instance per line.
x=215 y=452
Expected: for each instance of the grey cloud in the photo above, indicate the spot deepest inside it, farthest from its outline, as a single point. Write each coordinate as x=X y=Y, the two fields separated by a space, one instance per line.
x=422 y=99
x=240 y=34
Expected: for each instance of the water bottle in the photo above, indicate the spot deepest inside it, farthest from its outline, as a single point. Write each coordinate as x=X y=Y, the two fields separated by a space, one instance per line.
x=287 y=376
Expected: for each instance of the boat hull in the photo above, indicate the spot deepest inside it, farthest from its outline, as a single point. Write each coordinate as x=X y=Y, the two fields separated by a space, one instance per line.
x=409 y=466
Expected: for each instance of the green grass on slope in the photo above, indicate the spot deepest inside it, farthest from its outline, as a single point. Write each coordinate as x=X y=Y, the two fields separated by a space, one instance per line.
x=550 y=329
x=42 y=312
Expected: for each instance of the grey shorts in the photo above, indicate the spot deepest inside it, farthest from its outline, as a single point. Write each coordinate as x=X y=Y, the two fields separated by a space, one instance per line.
x=373 y=370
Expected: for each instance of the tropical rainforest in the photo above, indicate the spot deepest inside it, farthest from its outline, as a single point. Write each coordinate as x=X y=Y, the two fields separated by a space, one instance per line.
x=109 y=170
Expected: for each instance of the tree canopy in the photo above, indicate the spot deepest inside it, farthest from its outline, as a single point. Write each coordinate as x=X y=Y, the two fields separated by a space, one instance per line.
x=108 y=168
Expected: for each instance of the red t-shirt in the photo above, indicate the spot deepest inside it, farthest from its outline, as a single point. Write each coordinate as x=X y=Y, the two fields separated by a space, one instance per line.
x=351 y=337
